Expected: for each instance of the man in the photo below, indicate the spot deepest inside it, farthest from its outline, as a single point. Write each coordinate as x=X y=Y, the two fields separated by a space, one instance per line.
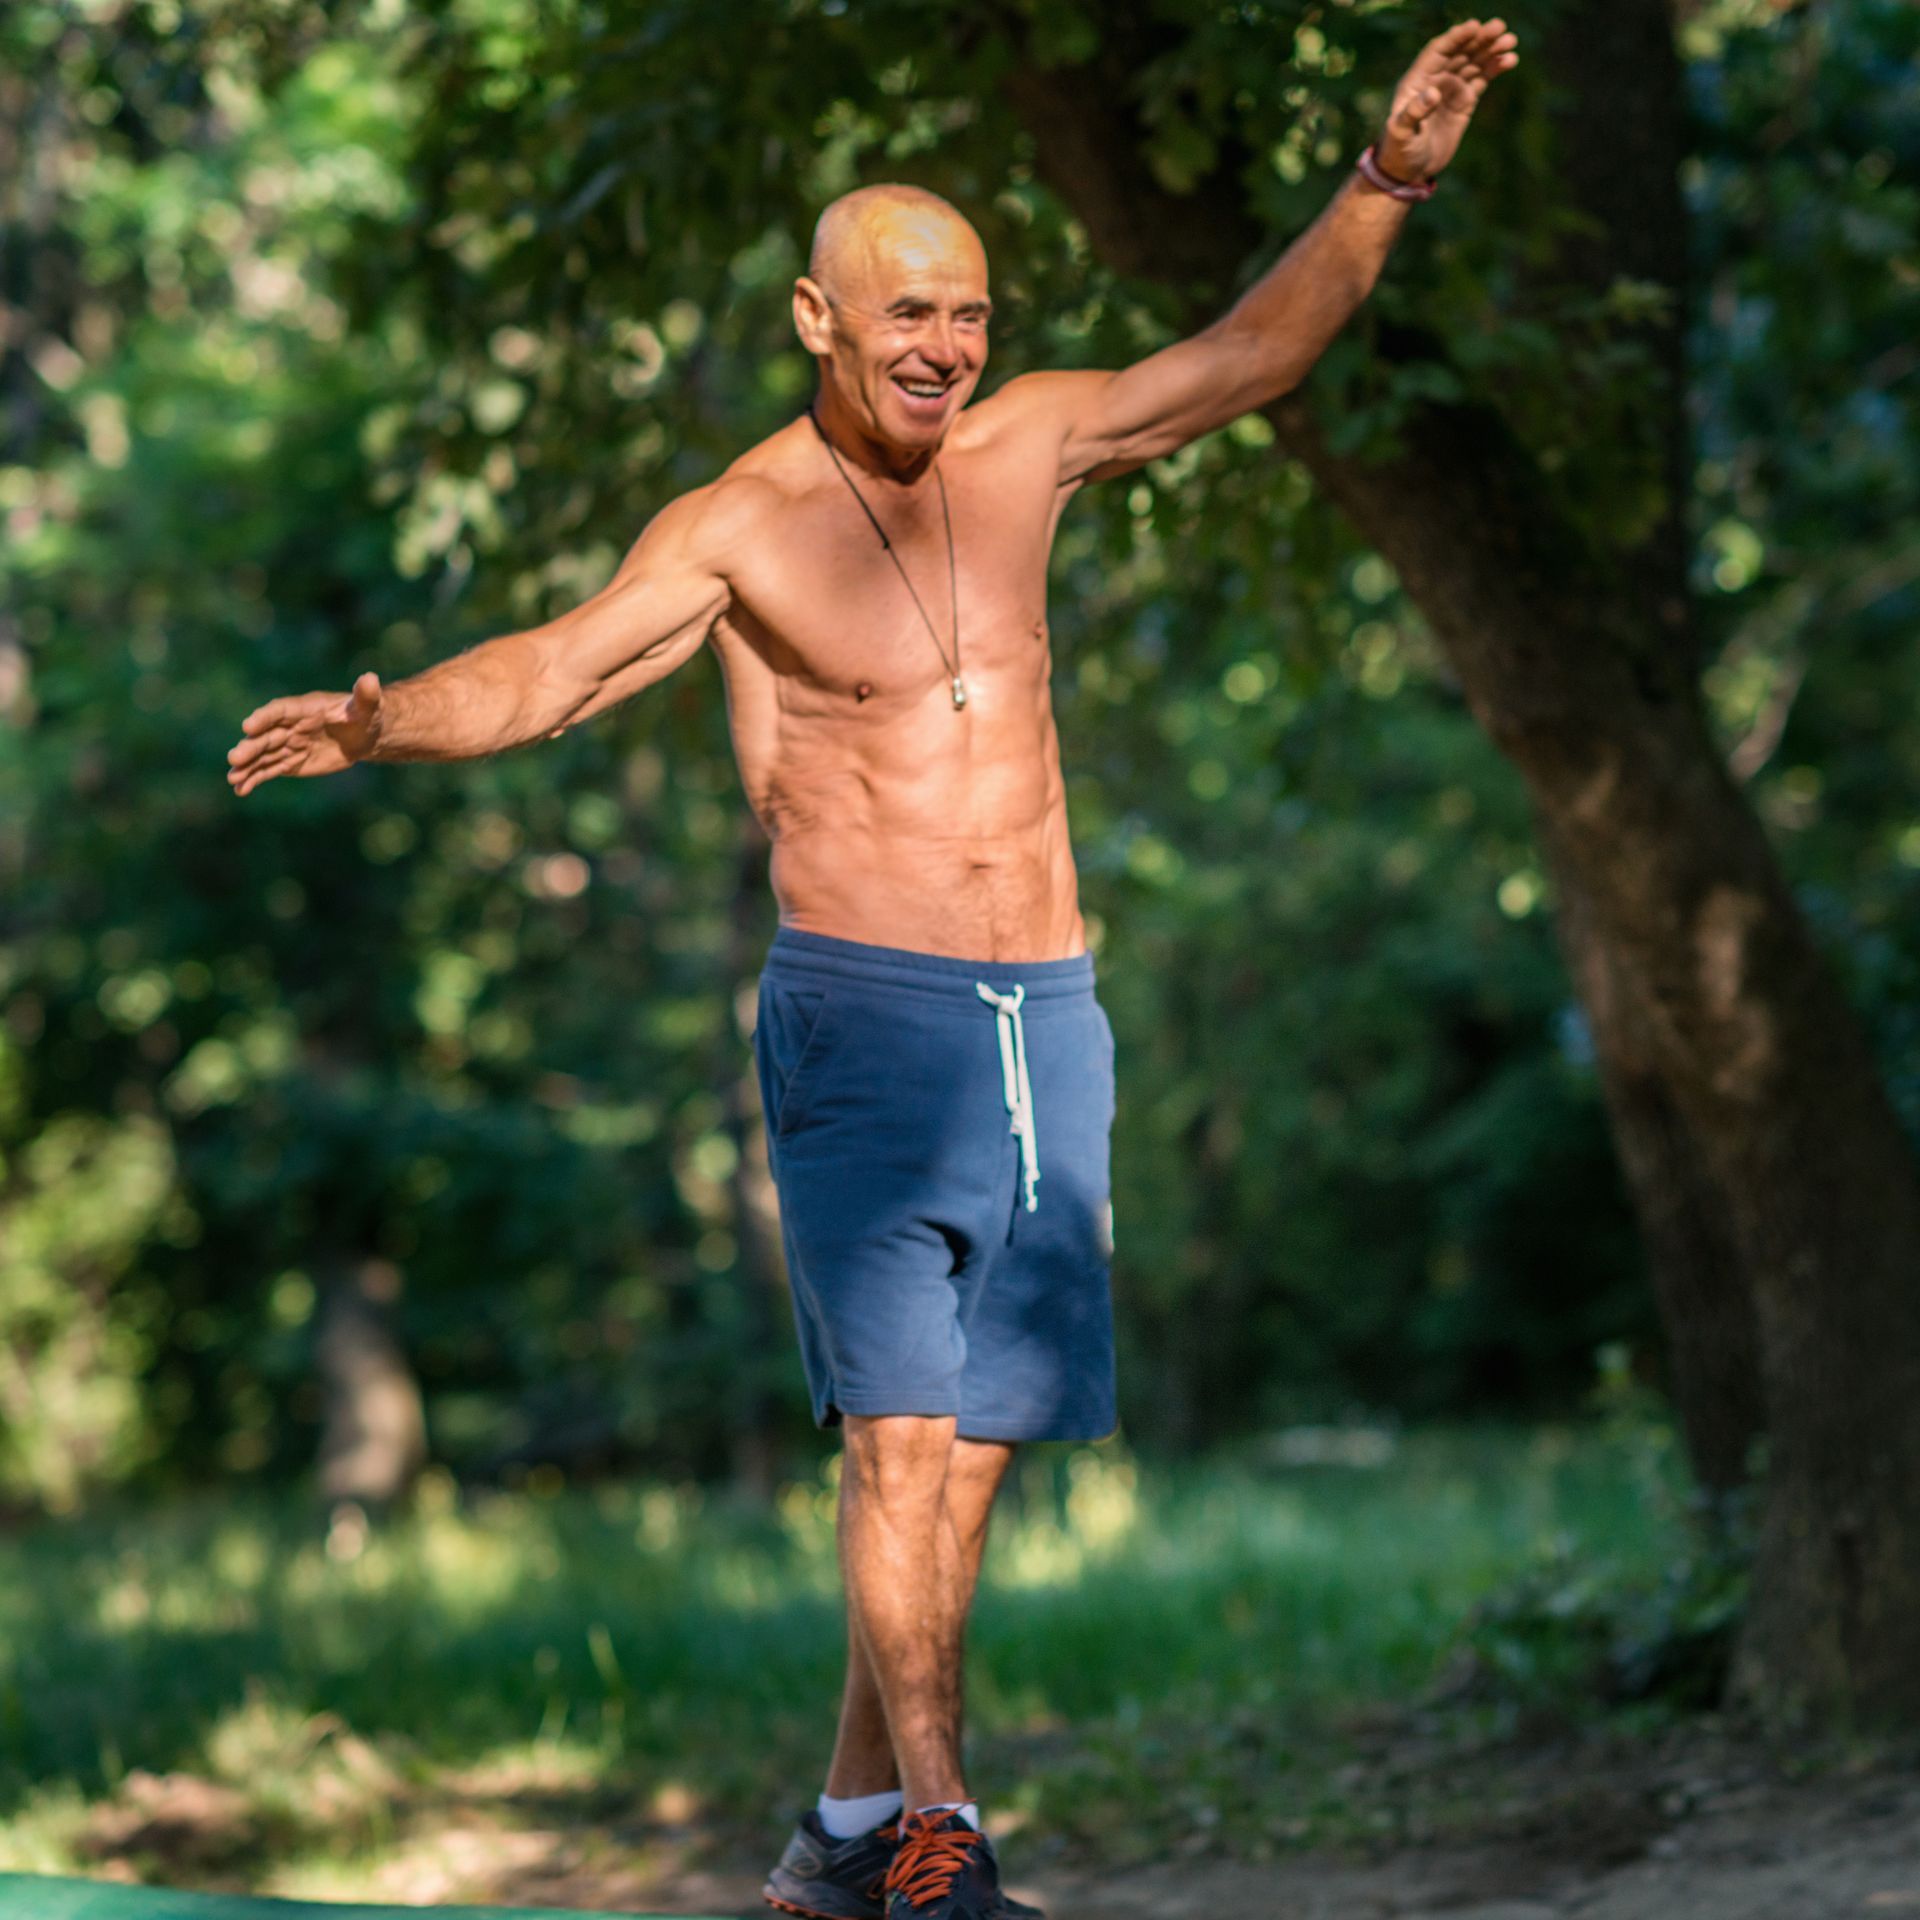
x=936 y=1072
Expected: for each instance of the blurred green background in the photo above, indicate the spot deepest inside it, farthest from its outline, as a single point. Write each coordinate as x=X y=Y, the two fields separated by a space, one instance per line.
x=345 y=337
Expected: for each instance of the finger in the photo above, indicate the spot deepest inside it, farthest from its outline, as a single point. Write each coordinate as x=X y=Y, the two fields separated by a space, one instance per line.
x=291 y=707
x=245 y=779
x=364 y=701
x=1485 y=35
x=1455 y=38
x=275 y=736
x=269 y=769
x=1466 y=60
x=277 y=713
x=250 y=750
x=1414 y=109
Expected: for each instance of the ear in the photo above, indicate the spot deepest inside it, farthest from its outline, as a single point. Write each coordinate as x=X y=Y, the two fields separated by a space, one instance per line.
x=812 y=316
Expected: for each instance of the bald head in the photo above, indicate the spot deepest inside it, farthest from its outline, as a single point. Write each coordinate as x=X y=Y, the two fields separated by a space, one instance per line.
x=863 y=234
x=894 y=308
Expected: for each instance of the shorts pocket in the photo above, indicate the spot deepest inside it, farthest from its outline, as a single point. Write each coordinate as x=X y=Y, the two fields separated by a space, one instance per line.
x=795 y=1026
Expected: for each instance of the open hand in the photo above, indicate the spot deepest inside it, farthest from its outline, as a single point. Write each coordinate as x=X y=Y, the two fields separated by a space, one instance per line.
x=306 y=734
x=1437 y=95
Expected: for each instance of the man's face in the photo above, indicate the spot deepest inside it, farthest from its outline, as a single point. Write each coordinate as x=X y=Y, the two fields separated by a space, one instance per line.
x=901 y=325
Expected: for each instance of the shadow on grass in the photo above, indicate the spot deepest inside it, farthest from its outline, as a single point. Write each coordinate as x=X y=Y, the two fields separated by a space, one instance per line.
x=669 y=1664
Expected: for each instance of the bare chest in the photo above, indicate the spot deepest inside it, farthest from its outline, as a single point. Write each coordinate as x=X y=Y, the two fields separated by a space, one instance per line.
x=844 y=607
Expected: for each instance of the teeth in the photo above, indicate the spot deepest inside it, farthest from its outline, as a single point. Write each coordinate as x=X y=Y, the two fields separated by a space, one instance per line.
x=921 y=390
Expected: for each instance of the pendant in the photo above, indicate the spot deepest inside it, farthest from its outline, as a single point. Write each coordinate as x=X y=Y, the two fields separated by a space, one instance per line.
x=959 y=691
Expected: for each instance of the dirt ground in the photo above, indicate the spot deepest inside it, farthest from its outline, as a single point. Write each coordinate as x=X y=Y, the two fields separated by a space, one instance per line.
x=1696 y=1826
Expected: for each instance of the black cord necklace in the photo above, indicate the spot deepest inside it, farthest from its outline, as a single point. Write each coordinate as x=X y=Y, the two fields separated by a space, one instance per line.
x=953 y=586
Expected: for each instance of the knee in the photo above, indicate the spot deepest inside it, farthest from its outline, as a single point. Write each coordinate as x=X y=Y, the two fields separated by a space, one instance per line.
x=973 y=1480
x=897 y=1461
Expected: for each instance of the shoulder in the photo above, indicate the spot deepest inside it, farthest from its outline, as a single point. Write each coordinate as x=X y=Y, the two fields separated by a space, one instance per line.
x=706 y=525
x=1038 y=403
x=1036 y=418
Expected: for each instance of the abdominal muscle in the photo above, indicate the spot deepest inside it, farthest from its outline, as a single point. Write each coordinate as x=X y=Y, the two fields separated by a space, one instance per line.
x=896 y=819
x=979 y=899
x=935 y=851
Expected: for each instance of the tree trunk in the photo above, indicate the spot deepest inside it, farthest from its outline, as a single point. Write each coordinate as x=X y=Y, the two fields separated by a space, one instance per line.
x=1088 y=151
x=1705 y=1304
x=1716 y=991
x=373 y=1440
x=1757 y=1139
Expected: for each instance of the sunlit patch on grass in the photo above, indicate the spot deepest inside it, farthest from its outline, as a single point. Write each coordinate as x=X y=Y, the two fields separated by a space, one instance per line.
x=1092 y=1526
x=199 y=1691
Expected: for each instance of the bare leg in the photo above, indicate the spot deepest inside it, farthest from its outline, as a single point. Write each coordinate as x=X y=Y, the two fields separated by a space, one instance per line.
x=914 y=1506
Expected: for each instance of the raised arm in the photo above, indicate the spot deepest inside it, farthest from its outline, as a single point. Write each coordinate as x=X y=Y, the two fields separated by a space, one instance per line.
x=652 y=616
x=1266 y=343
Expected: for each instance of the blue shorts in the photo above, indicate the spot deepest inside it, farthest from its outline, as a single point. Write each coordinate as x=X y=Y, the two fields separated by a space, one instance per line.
x=931 y=1272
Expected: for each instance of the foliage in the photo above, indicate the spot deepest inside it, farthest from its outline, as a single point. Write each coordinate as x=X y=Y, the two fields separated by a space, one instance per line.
x=655 y=1644
x=350 y=335
x=74 y=1338
x=1566 y=1633
x=1809 y=406
x=1571 y=1629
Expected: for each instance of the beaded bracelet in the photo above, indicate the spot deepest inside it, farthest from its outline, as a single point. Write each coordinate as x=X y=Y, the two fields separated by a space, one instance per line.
x=1376 y=175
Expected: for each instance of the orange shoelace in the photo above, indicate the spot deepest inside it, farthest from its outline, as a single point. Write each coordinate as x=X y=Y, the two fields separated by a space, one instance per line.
x=930 y=1859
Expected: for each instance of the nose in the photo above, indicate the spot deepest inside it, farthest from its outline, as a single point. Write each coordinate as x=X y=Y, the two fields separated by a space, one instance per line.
x=943 y=346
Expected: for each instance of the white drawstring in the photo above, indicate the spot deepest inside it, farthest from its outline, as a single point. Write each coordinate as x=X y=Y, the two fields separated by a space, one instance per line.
x=1019 y=1089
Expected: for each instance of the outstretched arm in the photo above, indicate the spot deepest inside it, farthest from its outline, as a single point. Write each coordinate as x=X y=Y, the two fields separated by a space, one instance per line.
x=1283 y=323
x=650 y=617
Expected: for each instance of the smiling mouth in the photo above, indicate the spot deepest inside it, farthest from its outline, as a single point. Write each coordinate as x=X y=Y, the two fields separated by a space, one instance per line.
x=921 y=389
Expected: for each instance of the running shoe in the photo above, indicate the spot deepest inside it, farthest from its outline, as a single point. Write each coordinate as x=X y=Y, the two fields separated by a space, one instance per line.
x=828 y=1879
x=944 y=1870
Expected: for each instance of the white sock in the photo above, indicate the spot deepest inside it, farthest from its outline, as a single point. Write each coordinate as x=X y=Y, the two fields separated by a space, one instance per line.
x=968 y=1811
x=845 y=1818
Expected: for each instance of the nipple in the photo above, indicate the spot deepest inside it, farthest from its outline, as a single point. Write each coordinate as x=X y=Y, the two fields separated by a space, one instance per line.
x=862 y=691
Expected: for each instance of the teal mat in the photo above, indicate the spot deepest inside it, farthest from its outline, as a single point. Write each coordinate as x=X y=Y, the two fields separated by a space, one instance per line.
x=36 y=1896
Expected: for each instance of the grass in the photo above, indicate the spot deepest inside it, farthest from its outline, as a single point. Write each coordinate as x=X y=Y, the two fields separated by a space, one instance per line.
x=1176 y=1646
